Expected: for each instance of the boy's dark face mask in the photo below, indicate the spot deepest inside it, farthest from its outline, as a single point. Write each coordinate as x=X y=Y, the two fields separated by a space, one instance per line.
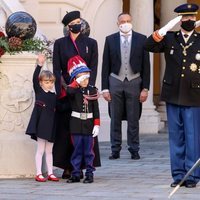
x=75 y=28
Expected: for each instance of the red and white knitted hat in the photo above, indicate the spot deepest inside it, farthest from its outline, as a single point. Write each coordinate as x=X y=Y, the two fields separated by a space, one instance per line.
x=75 y=66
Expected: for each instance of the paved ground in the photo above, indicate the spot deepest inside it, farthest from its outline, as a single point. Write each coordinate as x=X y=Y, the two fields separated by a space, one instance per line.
x=122 y=179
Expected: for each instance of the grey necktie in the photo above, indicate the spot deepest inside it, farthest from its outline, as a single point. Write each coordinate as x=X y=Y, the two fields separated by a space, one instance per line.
x=125 y=43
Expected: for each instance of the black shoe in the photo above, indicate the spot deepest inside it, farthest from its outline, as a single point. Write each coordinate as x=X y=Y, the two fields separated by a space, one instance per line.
x=88 y=179
x=190 y=184
x=135 y=156
x=73 y=179
x=114 y=156
x=175 y=183
x=66 y=174
x=81 y=174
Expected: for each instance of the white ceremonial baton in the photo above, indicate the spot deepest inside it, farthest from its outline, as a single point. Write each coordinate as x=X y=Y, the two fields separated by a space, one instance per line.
x=184 y=178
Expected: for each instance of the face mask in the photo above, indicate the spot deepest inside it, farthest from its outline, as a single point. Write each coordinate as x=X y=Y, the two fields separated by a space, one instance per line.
x=188 y=25
x=75 y=28
x=125 y=28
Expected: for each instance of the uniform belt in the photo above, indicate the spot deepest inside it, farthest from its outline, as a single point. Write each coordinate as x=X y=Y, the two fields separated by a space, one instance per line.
x=82 y=116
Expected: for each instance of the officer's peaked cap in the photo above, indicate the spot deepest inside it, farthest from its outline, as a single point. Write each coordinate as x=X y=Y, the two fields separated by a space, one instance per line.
x=187 y=9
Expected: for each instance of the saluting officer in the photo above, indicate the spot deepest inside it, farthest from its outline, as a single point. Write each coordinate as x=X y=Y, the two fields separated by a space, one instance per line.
x=181 y=90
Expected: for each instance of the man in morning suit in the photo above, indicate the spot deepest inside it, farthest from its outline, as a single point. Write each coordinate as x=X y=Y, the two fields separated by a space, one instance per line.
x=181 y=90
x=125 y=83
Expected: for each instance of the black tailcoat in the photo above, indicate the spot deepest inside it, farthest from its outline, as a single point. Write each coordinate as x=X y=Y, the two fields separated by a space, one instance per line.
x=42 y=121
x=139 y=58
x=181 y=82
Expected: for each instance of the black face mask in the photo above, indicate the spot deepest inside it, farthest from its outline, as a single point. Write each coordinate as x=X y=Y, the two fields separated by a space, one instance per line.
x=188 y=25
x=75 y=28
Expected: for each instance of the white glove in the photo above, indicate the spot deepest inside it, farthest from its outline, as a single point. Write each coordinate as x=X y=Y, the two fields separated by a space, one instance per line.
x=82 y=78
x=197 y=24
x=95 y=131
x=169 y=26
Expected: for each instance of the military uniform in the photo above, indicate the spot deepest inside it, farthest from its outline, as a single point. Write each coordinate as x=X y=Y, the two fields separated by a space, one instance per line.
x=79 y=125
x=181 y=92
x=181 y=82
x=83 y=118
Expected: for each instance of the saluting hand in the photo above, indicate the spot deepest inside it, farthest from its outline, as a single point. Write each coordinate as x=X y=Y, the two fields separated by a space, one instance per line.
x=169 y=26
x=197 y=24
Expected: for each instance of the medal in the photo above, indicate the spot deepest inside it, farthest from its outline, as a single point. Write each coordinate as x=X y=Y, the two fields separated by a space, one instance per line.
x=193 y=67
x=185 y=48
x=197 y=56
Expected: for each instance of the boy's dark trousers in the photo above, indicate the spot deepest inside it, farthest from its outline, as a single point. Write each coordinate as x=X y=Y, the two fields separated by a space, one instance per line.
x=83 y=149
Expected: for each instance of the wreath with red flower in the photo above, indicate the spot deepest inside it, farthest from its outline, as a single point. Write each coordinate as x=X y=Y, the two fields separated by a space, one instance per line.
x=15 y=45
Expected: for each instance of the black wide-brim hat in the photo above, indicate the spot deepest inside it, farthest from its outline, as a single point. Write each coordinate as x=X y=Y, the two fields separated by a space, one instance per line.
x=187 y=9
x=70 y=16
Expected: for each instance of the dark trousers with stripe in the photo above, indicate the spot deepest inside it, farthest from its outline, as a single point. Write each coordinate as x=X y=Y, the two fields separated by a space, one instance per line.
x=83 y=150
x=184 y=140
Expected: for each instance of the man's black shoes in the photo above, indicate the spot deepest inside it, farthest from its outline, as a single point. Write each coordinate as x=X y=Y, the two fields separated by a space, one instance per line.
x=175 y=183
x=187 y=183
x=114 y=156
x=190 y=184
x=88 y=179
x=135 y=156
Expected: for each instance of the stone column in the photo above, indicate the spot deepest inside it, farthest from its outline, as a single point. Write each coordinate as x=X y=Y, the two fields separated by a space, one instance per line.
x=142 y=13
x=17 y=150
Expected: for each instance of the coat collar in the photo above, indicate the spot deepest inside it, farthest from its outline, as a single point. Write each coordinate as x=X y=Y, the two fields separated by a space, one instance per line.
x=192 y=38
